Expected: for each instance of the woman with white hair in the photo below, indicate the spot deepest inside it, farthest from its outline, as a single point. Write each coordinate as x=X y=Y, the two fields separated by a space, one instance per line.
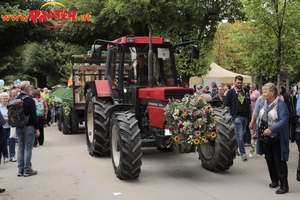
x=273 y=137
x=4 y=98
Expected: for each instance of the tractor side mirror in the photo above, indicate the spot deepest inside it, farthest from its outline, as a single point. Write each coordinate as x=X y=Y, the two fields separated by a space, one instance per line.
x=96 y=51
x=195 y=52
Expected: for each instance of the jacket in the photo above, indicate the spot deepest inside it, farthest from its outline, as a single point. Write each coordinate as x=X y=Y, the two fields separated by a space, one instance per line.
x=231 y=102
x=282 y=126
x=293 y=118
x=30 y=109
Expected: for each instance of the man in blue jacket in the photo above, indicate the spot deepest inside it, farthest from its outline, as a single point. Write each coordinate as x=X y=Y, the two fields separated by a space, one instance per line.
x=26 y=135
x=238 y=104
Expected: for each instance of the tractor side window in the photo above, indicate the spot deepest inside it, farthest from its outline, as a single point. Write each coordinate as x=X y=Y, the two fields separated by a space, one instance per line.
x=113 y=68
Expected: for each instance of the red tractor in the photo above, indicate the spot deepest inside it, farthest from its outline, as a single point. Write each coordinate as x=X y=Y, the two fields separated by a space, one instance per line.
x=121 y=118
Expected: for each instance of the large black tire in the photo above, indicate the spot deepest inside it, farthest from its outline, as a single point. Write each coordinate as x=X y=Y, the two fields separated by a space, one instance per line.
x=97 y=124
x=219 y=155
x=75 y=122
x=59 y=120
x=126 y=149
x=66 y=124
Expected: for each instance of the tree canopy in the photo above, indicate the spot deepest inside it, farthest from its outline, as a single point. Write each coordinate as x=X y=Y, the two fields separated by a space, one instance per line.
x=263 y=42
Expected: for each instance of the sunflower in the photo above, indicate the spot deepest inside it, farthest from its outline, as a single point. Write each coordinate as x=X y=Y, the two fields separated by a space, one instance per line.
x=213 y=135
x=184 y=115
x=176 y=138
x=203 y=137
x=208 y=107
x=196 y=141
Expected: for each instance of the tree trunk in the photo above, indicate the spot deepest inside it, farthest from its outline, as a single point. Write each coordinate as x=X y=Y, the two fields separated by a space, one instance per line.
x=287 y=83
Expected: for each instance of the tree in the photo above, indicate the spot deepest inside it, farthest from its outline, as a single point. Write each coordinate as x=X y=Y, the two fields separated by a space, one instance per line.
x=275 y=29
x=48 y=62
x=182 y=20
x=227 y=49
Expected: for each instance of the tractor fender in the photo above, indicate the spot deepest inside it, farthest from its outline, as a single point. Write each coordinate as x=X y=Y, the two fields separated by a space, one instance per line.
x=117 y=108
x=100 y=88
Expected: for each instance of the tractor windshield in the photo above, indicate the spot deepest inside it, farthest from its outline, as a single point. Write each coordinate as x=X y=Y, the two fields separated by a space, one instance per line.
x=162 y=67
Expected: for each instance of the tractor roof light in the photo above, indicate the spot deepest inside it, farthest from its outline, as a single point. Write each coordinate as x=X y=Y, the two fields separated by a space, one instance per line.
x=130 y=39
x=166 y=39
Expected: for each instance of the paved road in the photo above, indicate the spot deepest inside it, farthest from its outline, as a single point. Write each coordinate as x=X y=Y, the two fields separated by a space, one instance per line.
x=67 y=172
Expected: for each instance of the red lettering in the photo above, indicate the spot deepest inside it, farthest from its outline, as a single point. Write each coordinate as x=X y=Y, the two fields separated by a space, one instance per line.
x=58 y=13
x=63 y=16
x=72 y=15
x=52 y=15
x=34 y=14
x=5 y=17
x=43 y=17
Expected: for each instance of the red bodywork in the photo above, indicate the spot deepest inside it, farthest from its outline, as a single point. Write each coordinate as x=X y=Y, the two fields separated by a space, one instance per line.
x=102 y=88
x=156 y=106
x=156 y=116
x=141 y=40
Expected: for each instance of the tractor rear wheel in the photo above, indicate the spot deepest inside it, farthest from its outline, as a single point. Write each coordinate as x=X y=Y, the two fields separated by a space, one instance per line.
x=75 y=122
x=97 y=124
x=59 y=120
x=126 y=149
x=66 y=123
x=219 y=155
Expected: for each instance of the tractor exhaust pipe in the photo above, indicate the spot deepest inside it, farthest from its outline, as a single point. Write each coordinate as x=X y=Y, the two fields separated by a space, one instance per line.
x=150 y=60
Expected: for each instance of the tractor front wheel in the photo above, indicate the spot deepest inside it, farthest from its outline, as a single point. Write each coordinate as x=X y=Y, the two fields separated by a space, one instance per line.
x=126 y=143
x=219 y=155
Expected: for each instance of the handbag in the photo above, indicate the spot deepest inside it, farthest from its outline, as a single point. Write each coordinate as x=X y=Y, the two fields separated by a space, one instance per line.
x=274 y=136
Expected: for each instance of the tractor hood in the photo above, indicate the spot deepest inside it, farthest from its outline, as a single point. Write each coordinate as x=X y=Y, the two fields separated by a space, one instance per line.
x=164 y=93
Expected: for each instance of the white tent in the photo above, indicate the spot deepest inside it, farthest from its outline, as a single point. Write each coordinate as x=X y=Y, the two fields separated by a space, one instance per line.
x=219 y=75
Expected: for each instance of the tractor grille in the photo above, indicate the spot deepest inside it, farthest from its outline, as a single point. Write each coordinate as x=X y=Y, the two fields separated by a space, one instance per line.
x=177 y=94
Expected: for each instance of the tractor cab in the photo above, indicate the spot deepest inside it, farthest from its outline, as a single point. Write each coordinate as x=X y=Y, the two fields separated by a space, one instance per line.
x=125 y=74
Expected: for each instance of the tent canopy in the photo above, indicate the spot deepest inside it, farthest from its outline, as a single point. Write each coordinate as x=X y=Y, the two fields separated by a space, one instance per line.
x=219 y=75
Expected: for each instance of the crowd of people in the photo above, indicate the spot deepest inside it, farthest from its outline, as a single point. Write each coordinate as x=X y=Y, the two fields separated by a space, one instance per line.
x=39 y=114
x=271 y=116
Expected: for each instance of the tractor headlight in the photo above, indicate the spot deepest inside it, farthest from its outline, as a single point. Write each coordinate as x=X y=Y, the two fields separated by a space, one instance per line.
x=130 y=39
x=167 y=39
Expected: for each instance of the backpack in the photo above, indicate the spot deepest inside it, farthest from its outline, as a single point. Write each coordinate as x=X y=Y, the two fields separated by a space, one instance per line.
x=15 y=112
x=40 y=108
